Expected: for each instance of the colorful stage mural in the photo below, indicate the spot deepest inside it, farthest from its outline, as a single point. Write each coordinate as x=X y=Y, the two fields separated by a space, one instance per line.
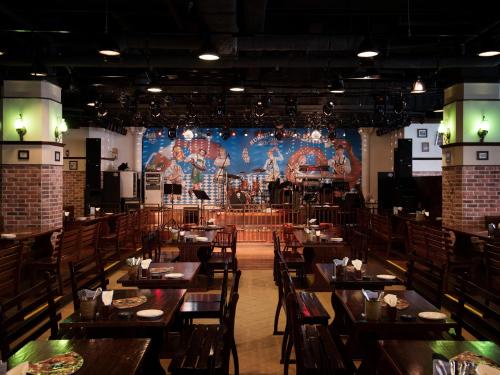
x=251 y=161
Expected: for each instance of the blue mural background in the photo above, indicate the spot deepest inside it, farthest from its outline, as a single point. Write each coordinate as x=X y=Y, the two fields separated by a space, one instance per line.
x=208 y=150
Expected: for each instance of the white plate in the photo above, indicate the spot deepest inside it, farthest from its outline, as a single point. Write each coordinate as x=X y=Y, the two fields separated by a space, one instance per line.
x=314 y=226
x=386 y=277
x=212 y=225
x=432 y=315
x=149 y=314
x=202 y=239
x=173 y=275
x=8 y=235
x=336 y=239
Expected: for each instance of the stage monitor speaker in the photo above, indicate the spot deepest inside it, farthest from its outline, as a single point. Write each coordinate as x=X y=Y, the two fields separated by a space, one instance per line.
x=93 y=163
x=403 y=158
x=386 y=187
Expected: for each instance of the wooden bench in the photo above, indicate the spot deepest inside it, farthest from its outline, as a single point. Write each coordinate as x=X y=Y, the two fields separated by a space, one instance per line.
x=382 y=230
x=426 y=278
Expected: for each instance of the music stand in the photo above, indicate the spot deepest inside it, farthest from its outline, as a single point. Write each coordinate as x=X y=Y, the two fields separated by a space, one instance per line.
x=172 y=189
x=309 y=198
x=202 y=196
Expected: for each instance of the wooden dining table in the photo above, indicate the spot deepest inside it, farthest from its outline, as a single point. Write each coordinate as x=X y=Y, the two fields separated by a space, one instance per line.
x=321 y=249
x=369 y=279
x=414 y=357
x=349 y=307
x=100 y=356
x=189 y=270
x=39 y=239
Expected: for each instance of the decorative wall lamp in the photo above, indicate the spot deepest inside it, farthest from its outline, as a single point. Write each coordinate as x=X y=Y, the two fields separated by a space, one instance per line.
x=444 y=130
x=60 y=129
x=484 y=126
x=20 y=127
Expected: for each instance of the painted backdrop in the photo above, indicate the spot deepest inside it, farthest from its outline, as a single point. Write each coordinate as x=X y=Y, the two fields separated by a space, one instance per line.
x=254 y=159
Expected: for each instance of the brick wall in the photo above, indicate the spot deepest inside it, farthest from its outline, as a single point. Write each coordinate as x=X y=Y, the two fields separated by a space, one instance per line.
x=31 y=196
x=74 y=190
x=469 y=194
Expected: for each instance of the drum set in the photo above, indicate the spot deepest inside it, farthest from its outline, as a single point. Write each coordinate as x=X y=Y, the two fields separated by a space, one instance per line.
x=245 y=188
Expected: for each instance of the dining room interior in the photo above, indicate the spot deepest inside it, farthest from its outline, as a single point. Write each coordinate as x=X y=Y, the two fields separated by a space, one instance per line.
x=249 y=187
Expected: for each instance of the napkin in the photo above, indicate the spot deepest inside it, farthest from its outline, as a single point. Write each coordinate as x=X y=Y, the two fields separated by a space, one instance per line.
x=20 y=369
x=338 y=262
x=345 y=261
x=371 y=295
x=357 y=264
x=133 y=261
x=391 y=300
x=211 y=221
x=483 y=369
x=145 y=263
x=66 y=213
x=306 y=230
x=107 y=297
x=312 y=221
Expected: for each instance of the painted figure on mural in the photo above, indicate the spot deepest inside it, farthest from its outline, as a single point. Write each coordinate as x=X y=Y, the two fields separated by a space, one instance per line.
x=340 y=163
x=222 y=162
x=271 y=166
x=197 y=160
x=294 y=171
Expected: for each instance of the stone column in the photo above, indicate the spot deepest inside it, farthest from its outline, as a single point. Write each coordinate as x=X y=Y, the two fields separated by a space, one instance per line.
x=138 y=133
x=31 y=169
x=471 y=169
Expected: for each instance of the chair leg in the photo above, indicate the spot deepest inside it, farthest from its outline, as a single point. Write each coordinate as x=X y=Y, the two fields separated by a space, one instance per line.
x=277 y=316
x=288 y=353
x=59 y=280
x=235 y=358
x=284 y=343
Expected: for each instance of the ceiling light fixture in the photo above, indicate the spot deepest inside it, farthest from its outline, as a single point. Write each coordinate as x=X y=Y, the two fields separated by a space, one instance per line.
x=488 y=48
x=91 y=104
x=208 y=52
x=108 y=46
x=237 y=88
x=336 y=86
x=38 y=69
x=154 y=89
x=367 y=49
x=438 y=108
x=188 y=134
x=418 y=86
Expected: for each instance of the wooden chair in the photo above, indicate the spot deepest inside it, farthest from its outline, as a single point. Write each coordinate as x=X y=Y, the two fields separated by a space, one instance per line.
x=65 y=247
x=219 y=252
x=89 y=240
x=10 y=270
x=27 y=316
x=363 y=220
x=359 y=246
x=492 y=261
x=201 y=305
x=426 y=278
x=110 y=245
x=294 y=260
x=317 y=352
x=86 y=274
x=382 y=229
x=206 y=349
x=477 y=310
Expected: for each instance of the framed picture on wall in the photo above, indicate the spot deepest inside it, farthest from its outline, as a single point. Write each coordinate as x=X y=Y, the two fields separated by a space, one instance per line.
x=448 y=157
x=421 y=133
x=57 y=155
x=73 y=165
x=23 y=155
x=482 y=155
x=425 y=146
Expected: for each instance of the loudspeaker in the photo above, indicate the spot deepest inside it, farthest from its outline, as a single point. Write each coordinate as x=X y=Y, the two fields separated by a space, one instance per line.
x=93 y=163
x=403 y=158
x=386 y=187
x=111 y=187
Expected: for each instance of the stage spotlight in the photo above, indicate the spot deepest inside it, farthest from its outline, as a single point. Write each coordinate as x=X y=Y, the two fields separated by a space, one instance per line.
x=332 y=134
x=102 y=111
x=172 y=132
x=328 y=108
x=259 y=109
x=291 y=107
x=279 y=134
x=155 y=109
x=225 y=134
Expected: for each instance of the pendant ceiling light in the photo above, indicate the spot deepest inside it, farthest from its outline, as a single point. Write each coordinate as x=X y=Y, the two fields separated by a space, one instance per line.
x=488 y=48
x=153 y=84
x=418 y=87
x=336 y=86
x=367 y=48
x=108 y=47
x=237 y=87
x=38 y=69
x=208 y=52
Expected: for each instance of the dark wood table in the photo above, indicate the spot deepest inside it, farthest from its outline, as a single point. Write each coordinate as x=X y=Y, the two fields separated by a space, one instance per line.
x=324 y=271
x=101 y=356
x=319 y=250
x=415 y=357
x=189 y=269
x=41 y=245
x=363 y=334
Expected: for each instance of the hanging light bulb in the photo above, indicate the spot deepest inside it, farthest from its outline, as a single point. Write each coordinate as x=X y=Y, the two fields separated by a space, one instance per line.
x=208 y=52
x=367 y=49
x=418 y=87
x=188 y=134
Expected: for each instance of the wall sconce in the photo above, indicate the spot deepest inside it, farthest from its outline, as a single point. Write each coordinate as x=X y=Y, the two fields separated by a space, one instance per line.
x=61 y=128
x=20 y=126
x=484 y=126
x=444 y=130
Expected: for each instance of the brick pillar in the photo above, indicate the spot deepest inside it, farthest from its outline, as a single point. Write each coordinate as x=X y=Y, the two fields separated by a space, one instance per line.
x=471 y=169
x=31 y=170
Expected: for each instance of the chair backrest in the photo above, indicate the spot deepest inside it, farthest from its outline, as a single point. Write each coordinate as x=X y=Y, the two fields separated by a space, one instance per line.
x=122 y=228
x=359 y=245
x=87 y=273
x=291 y=241
x=363 y=219
x=293 y=320
x=381 y=225
x=228 y=330
x=27 y=316
x=68 y=244
x=492 y=258
x=426 y=278
x=89 y=238
x=10 y=269
x=235 y=284
x=223 y=239
x=223 y=291
x=189 y=251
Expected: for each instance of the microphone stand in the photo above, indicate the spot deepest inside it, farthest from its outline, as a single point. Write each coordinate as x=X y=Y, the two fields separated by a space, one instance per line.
x=224 y=179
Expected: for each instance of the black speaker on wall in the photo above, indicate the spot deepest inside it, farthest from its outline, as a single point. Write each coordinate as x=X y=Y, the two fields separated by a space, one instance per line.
x=403 y=159
x=93 y=164
x=386 y=188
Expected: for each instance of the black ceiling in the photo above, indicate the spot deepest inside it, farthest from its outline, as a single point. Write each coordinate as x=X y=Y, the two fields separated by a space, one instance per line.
x=279 y=49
